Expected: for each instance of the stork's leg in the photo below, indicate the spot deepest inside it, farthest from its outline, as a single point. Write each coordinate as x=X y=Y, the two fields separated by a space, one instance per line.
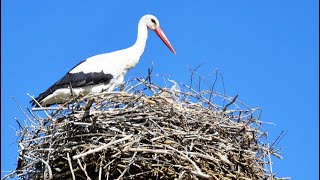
x=122 y=87
x=72 y=95
x=73 y=98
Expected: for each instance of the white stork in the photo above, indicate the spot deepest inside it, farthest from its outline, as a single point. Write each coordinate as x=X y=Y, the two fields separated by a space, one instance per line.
x=103 y=72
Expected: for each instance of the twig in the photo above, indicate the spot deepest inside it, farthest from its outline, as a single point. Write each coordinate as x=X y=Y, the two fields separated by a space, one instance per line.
x=39 y=105
x=70 y=166
x=270 y=162
x=198 y=170
x=83 y=169
x=102 y=147
x=44 y=162
x=25 y=114
x=128 y=166
x=87 y=109
x=231 y=102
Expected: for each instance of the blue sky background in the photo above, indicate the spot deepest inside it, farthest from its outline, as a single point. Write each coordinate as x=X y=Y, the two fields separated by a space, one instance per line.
x=267 y=52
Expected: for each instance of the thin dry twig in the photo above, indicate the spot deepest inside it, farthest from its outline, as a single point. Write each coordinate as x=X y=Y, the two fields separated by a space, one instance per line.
x=102 y=147
x=70 y=165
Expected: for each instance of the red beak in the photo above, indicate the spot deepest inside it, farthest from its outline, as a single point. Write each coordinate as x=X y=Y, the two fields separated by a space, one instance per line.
x=163 y=37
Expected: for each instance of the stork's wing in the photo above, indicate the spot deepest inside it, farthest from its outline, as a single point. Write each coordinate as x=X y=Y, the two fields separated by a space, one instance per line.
x=75 y=80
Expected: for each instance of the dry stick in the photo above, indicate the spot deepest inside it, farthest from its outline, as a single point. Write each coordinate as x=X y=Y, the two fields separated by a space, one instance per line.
x=25 y=114
x=39 y=105
x=100 y=170
x=278 y=139
x=37 y=118
x=231 y=102
x=128 y=166
x=200 y=97
x=148 y=85
x=84 y=171
x=134 y=100
x=204 y=156
x=133 y=87
x=212 y=86
x=48 y=108
x=198 y=170
x=270 y=162
x=103 y=93
x=224 y=96
x=101 y=147
x=224 y=88
x=87 y=109
x=193 y=70
x=9 y=175
x=146 y=150
x=33 y=115
x=70 y=165
x=44 y=162
x=181 y=174
x=48 y=155
x=19 y=124
x=148 y=78
x=244 y=178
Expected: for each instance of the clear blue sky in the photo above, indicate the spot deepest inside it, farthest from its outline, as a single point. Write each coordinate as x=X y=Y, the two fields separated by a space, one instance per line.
x=267 y=52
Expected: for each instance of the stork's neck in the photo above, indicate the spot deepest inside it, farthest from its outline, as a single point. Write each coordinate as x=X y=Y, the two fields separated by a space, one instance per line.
x=135 y=51
x=142 y=36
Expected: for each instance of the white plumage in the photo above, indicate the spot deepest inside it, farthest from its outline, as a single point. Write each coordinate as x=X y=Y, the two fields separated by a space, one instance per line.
x=103 y=72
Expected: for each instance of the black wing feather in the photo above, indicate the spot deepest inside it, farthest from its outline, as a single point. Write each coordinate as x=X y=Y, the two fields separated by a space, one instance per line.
x=75 y=80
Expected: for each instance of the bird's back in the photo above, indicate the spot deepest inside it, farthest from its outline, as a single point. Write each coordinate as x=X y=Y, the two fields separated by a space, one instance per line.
x=97 y=73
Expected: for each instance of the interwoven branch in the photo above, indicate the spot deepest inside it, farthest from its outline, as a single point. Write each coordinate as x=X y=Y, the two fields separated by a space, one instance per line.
x=145 y=131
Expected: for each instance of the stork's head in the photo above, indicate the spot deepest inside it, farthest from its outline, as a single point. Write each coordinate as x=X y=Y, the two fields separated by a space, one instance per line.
x=153 y=23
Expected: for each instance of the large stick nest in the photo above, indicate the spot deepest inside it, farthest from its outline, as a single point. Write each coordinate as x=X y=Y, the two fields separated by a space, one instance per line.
x=145 y=131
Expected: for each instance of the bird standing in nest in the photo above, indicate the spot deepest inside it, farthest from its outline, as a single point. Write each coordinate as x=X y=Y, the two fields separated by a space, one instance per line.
x=103 y=72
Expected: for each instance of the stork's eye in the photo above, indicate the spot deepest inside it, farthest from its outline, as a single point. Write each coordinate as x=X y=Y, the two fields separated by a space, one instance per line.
x=153 y=21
